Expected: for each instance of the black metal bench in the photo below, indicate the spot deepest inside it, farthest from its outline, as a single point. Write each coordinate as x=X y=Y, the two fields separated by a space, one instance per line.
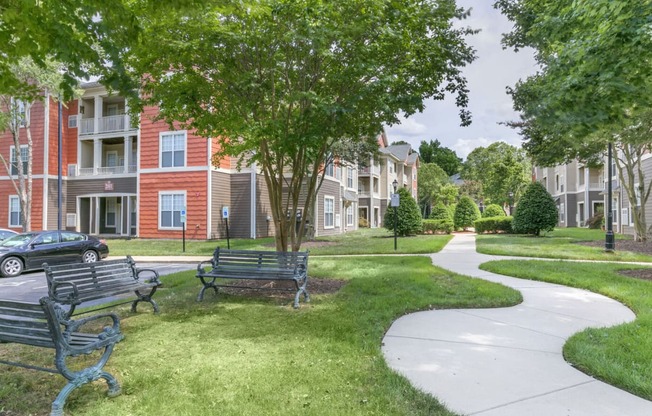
x=256 y=265
x=74 y=284
x=44 y=324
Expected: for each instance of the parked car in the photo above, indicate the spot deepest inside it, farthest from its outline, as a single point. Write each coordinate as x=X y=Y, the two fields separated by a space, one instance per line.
x=4 y=233
x=28 y=251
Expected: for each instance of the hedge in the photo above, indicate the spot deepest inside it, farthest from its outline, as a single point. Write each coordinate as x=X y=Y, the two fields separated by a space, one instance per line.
x=493 y=225
x=437 y=226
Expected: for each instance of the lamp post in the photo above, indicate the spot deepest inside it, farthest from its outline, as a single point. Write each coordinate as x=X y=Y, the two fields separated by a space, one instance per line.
x=395 y=202
x=481 y=207
x=609 y=243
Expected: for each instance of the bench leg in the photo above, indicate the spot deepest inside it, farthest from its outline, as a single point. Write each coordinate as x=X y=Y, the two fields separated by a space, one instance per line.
x=145 y=298
x=200 y=297
x=306 y=296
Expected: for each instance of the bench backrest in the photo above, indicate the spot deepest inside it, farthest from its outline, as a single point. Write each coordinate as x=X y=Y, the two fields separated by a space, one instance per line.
x=81 y=282
x=269 y=260
x=25 y=323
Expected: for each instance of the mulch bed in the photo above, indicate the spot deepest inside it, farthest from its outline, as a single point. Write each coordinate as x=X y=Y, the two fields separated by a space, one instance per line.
x=633 y=246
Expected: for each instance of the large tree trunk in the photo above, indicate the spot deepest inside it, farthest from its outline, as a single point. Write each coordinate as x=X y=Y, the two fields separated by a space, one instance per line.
x=632 y=178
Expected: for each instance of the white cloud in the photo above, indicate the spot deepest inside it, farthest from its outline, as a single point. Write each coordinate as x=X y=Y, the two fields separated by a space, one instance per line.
x=464 y=146
x=409 y=127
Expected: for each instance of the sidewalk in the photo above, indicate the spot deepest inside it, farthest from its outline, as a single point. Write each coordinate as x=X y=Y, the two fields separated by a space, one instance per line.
x=508 y=361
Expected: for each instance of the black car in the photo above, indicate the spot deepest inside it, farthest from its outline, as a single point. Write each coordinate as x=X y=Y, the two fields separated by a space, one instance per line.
x=5 y=233
x=28 y=251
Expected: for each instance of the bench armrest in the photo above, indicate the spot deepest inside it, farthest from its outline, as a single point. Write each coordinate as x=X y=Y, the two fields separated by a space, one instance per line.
x=74 y=325
x=71 y=298
x=200 y=266
x=153 y=279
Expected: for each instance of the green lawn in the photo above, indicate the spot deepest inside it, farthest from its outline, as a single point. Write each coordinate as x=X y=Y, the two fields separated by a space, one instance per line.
x=258 y=356
x=559 y=244
x=364 y=241
x=622 y=355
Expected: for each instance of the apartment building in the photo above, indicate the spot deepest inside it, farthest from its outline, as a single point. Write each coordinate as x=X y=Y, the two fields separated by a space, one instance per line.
x=126 y=178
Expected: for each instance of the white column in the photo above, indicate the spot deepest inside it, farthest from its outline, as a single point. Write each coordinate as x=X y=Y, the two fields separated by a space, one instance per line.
x=97 y=155
x=127 y=153
x=98 y=113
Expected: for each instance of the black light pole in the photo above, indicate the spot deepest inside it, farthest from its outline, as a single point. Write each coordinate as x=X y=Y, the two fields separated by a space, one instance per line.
x=395 y=184
x=609 y=243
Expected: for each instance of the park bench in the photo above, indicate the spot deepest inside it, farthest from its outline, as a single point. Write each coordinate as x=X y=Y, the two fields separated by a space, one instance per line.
x=234 y=265
x=45 y=324
x=75 y=284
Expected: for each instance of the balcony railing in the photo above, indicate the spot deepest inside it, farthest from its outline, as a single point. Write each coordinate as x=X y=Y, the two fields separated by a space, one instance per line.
x=107 y=124
x=373 y=170
x=106 y=170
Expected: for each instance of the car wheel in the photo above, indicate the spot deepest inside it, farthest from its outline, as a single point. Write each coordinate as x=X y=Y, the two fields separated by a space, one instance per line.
x=90 y=256
x=11 y=267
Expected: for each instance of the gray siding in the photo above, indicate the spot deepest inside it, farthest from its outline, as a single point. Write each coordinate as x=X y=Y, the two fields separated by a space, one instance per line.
x=264 y=228
x=52 y=213
x=240 y=209
x=220 y=196
x=331 y=189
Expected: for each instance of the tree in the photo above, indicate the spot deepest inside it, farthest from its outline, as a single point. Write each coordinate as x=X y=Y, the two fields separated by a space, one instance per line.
x=535 y=212
x=16 y=110
x=445 y=158
x=595 y=83
x=88 y=38
x=408 y=215
x=284 y=84
x=466 y=213
x=432 y=178
x=501 y=169
x=441 y=212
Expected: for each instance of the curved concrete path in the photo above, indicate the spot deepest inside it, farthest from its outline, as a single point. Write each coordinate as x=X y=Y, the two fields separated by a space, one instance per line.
x=508 y=361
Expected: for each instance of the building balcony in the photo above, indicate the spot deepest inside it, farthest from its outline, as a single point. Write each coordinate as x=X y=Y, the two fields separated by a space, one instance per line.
x=102 y=170
x=106 y=125
x=369 y=170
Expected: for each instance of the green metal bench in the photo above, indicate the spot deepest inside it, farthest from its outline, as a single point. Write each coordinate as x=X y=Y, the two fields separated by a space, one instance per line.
x=233 y=265
x=75 y=284
x=45 y=324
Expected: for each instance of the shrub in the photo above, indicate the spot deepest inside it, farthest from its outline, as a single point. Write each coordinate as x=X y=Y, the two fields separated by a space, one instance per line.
x=466 y=213
x=494 y=225
x=438 y=226
x=493 y=210
x=441 y=212
x=363 y=223
x=409 y=215
x=535 y=212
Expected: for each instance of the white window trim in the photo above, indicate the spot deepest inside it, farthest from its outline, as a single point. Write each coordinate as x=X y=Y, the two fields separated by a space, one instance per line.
x=160 y=148
x=106 y=158
x=160 y=200
x=330 y=198
x=13 y=197
x=114 y=211
x=350 y=223
x=13 y=159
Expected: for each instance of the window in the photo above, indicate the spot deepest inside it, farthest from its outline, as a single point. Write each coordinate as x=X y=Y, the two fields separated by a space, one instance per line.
x=133 y=213
x=72 y=122
x=170 y=206
x=14 y=159
x=614 y=172
x=624 y=215
x=556 y=182
x=614 y=210
x=14 y=212
x=329 y=171
x=349 y=177
x=173 y=149
x=67 y=237
x=329 y=211
x=19 y=113
x=112 y=159
x=349 y=215
x=110 y=212
x=562 y=213
x=47 y=238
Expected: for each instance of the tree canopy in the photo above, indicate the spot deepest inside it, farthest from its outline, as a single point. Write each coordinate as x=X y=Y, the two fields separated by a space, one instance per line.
x=87 y=37
x=431 y=180
x=445 y=158
x=282 y=83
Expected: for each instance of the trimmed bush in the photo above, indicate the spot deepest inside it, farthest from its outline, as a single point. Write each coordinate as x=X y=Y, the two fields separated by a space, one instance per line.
x=441 y=212
x=437 y=226
x=466 y=213
x=494 y=225
x=493 y=210
x=409 y=215
x=535 y=212
x=363 y=223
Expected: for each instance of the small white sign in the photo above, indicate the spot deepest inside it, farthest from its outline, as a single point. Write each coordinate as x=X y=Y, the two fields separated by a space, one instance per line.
x=225 y=213
x=183 y=215
x=395 y=201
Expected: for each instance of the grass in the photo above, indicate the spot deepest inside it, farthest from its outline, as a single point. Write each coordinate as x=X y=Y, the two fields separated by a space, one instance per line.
x=239 y=355
x=364 y=241
x=621 y=355
x=559 y=244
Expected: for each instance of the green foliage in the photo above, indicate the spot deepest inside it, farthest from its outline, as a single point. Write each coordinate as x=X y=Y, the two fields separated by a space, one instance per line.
x=501 y=169
x=494 y=224
x=438 y=226
x=293 y=81
x=363 y=223
x=595 y=222
x=536 y=211
x=431 y=181
x=466 y=213
x=445 y=158
x=493 y=210
x=409 y=216
x=441 y=212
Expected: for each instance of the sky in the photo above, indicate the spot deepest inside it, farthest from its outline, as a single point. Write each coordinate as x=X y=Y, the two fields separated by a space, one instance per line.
x=488 y=76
